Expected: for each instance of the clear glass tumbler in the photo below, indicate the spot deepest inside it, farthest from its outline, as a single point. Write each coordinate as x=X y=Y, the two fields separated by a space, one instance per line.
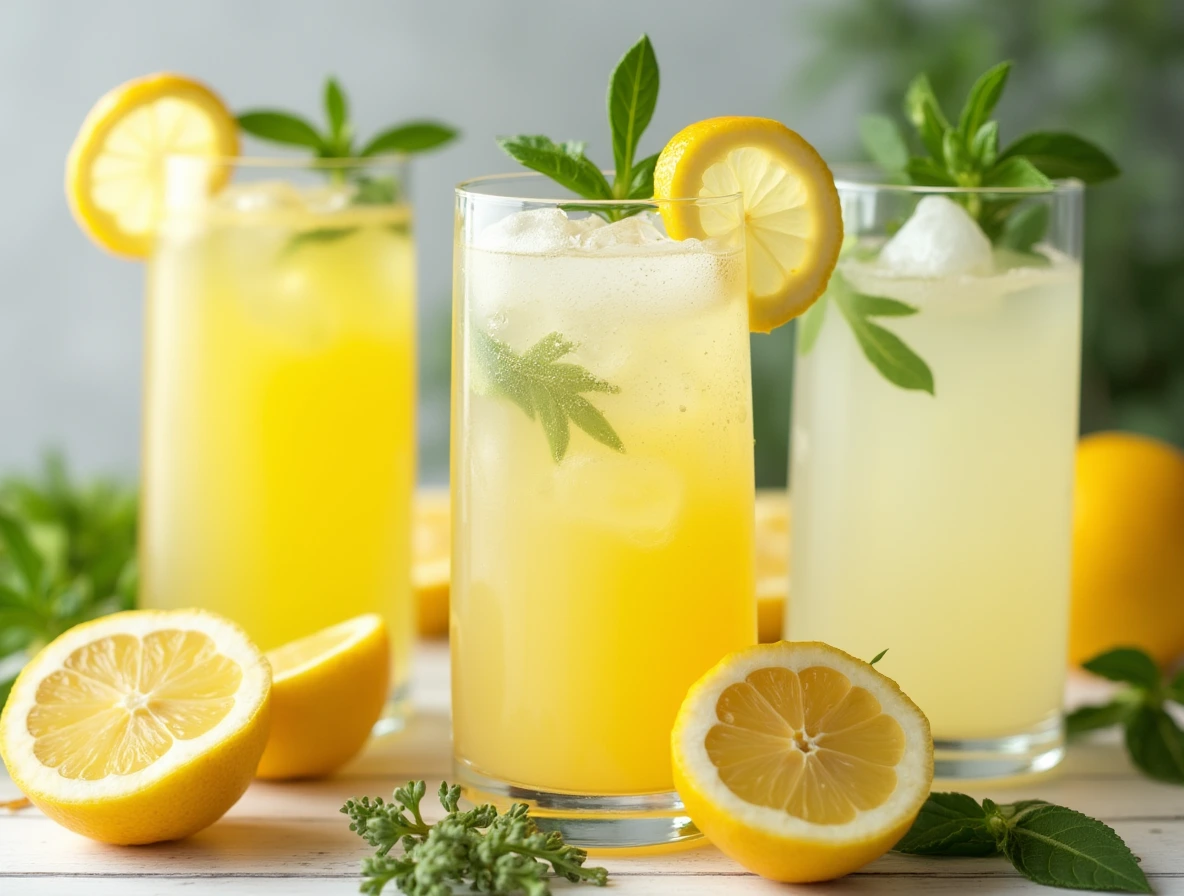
x=933 y=437
x=602 y=473
x=279 y=401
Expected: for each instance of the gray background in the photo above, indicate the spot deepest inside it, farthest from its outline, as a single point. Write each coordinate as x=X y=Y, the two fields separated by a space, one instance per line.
x=70 y=319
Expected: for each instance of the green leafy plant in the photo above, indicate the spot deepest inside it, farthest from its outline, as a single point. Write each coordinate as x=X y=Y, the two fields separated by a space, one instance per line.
x=544 y=386
x=632 y=98
x=1153 y=739
x=1047 y=844
x=503 y=855
x=67 y=554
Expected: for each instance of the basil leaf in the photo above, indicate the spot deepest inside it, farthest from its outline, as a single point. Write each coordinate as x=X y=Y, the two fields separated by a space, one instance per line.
x=29 y=564
x=1015 y=172
x=1059 y=154
x=949 y=824
x=281 y=127
x=642 y=184
x=984 y=146
x=884 y=142
x=917 y=98
x=898 y=363
x=953 y=150
x=337 y=111
x=414 y=136
x=984 y=95
x=1024 y=227
x=810 y=325
x=1126 y=664
x=1156 y=744
x=632 y=97
x=564 y=163
x=1092 y=718
x=928 y=173
x=1059 y=847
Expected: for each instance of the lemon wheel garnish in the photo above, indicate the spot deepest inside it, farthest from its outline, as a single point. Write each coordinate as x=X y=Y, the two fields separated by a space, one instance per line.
x=793 y=226
x=800 y=761
x=115 y=170
x=431 y=552
x=140 y=726
x=329 y=689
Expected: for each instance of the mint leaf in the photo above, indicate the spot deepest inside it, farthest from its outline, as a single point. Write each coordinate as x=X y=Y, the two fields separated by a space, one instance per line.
x=641 y=185
x=411 y=137
x=984 y=95
x=811 y=325
x=928 y=173
x=632 y=98
x=281 y=127
x=564 y=163
x=879 y=656
x=1126 y=664
x=949 y=824
x=879 y=306
x=1156 y=744
x=337 y=112
x=1059 y=847
x=1175 y=690
x=984 y=146
x=1092 y=718
x=541 y=385
x=898 y=363
x=1023 y=228
x=28 y=563
x=884 y=142
x=922 y=109
x=1058 y=154
x=954 y=152
x=1014 y=171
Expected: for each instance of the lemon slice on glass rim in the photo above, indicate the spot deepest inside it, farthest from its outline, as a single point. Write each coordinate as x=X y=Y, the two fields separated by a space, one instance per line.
x=793 y=226
x=115 y=180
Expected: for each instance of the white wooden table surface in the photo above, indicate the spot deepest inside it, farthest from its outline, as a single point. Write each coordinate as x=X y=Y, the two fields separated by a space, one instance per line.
x=290 y=838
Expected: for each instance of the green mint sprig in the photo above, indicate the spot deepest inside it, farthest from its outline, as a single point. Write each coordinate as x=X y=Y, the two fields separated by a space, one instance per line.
x=1153 y=739
x=1047 y=844
x=544 y=386
x=966 y=152
x=632 y=98
x=502 y=855
x=887 y=352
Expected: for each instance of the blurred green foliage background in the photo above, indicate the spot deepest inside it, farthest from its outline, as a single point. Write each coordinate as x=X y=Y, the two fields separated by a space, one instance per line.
x=1111 y=70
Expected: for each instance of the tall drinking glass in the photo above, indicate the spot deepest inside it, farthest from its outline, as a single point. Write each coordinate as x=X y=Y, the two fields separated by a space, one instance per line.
x=602 y=472
x=279 y=397
x=938 y=525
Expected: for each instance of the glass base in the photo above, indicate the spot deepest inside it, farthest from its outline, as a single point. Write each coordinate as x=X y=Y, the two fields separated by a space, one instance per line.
x=394 y=714
x=636 y=821
x=991 y=759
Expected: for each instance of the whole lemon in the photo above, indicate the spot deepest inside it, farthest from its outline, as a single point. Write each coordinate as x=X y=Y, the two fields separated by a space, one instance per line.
x=1128 y=547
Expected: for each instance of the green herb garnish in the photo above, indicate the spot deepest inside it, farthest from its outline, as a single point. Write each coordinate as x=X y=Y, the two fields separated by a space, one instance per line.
x=966 y=153
x=632 y=97
x=1047 y=844
x=879 y=656
x=543 y=386
x=503 y=855
x=1153 y=739
x=67 y=554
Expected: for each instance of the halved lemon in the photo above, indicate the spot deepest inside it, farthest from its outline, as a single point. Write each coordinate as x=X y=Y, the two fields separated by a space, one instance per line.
x=115 y=169
x=140 y=726
x=799 y=761
x=431 y=552
x=793 y=226
x=329 y=689
x=772 y=562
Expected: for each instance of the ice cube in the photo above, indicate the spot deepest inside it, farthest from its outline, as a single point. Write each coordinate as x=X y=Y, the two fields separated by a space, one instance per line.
x=636 y=230
x=638 y=500
x=534 y=232
x=939 y=240
x=264 y=196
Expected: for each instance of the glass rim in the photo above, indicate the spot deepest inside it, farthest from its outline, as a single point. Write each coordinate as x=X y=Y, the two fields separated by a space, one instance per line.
x=862 y=176
x=466 y=189
x=290 y=163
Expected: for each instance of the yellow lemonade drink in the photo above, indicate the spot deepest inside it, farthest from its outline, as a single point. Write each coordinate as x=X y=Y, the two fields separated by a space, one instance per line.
x=279 y=412
x=938 y=526
x=603 y=563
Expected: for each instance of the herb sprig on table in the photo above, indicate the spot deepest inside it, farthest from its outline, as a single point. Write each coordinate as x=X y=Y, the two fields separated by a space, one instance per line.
x=1048 y=844
x=632 y=98
x=502 y=855
x=1153 y=739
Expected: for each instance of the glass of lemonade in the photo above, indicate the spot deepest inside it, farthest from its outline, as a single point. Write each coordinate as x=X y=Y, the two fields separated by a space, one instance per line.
x=602 y=473
x=279 y=427
x=938 y=525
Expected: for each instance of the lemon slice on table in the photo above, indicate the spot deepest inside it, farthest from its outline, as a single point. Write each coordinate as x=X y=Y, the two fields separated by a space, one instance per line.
x=115 y=170
x=793 y=227
x=140 y=726
x=431 y=553
x=329 y=689
x=799 y=761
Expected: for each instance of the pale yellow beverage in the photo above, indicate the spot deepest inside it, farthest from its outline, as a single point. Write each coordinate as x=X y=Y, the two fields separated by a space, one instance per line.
x=590 y=592
x=279 y=412
x=938 y=526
